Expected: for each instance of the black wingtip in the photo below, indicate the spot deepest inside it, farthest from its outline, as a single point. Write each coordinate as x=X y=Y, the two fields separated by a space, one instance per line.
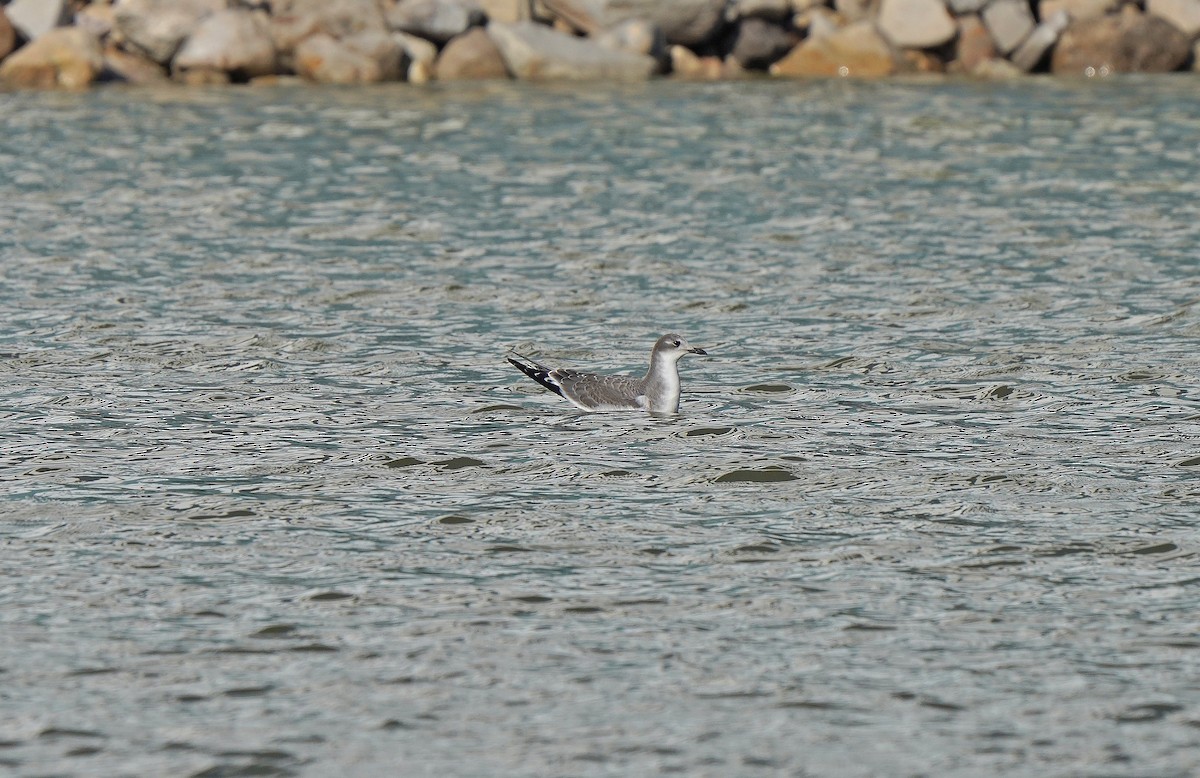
x=537 y=373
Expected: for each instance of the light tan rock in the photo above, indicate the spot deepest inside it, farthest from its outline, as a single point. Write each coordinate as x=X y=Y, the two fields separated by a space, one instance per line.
x=688 y=22
x=385 y=49
x=856 y=10
x=996 y=70
x=157 y=28
x=325 y=59
x=132 y=68
x=1129 y=42
x=973 y=46
x=1078 y=10
x=770 y=10
x=687 y=65
x=236 y=42
x=637 y=36
x=37 y=17
x=65 y=57
x=916 y=24
x=470 y=56
x=97 y=18
x=536 y=53
x=8 y=36
x=856 y=50
x=294 y=20
x=1184 y=14
x=507 y=11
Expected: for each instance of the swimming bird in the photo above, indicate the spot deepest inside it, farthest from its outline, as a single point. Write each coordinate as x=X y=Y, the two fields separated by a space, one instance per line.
x=656 y=392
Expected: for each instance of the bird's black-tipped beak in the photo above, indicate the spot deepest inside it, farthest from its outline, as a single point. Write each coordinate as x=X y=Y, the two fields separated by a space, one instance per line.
x=699 y=351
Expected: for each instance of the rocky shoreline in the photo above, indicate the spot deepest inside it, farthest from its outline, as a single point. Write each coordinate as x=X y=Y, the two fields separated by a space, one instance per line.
x=74 y=44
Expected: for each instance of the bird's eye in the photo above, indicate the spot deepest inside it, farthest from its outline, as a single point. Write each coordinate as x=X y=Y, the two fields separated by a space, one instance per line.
x=677 y=343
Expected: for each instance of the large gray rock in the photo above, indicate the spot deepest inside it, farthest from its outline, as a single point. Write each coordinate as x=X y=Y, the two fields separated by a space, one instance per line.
x=157 y=28
x=537 y=53
x=1033 y=49
x=435 y=20
x=1129 y=42
x=37 y=17
x=236 y=42
x=1184 y=14
x=65 y=57
x=759 y=42
x=1009 y=22
x=916 y=24
x=689 y=22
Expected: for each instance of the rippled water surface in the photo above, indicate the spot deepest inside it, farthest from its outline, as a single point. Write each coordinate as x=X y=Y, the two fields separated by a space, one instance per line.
x=273 y=503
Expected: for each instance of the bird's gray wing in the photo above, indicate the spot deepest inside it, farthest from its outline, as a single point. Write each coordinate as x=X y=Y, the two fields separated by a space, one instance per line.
x=599 y=392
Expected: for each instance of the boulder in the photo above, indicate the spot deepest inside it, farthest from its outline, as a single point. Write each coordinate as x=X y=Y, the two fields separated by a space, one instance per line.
x=97 y=18
x=1125 y=43
x=686 y=64
x=327 y=60
x=965 y=7
x=997 y=70
x=537 y=53
x=8 y=36
x=758 y=43
x=157 y=28
x=66 y=57
x=421 y=55
x=771 y=10
x=856 y=50
x=37 y=17
x=1009 y=22
x=470 y=56
x=855 y=10
x=1078 y=10
x=236 y=42
x=507 y=11
x=121 y=65
x=1034 y=48
x=336 y=18
x=385 y=49
x=434 y=20
x=974 y=45
x=636 y=36
x=919 y=61
x=916 y=24
x=688 y=22
x=1184 y=14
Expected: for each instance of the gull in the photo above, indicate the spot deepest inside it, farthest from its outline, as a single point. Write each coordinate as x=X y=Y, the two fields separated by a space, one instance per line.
x=656 y=392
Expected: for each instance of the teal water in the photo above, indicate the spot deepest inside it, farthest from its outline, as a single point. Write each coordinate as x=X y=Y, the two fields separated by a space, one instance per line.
x=273 y=503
